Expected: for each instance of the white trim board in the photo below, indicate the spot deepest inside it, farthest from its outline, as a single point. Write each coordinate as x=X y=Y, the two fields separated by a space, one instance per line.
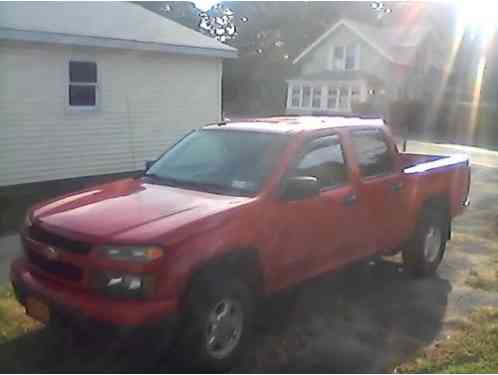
x=92 y=41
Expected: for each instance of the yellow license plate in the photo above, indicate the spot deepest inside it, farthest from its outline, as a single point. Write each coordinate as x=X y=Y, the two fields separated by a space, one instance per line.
x=37 y=309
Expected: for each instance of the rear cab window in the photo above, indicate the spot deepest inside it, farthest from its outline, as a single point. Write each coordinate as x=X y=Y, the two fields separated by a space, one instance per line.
x=323 y=158
x=372 y=151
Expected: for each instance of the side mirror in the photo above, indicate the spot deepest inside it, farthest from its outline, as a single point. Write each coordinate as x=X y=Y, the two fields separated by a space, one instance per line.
x=148 y=164
x=301 y=187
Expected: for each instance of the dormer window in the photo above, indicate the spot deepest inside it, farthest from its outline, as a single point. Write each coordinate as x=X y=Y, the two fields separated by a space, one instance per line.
x=338 y=58
x=345 y=57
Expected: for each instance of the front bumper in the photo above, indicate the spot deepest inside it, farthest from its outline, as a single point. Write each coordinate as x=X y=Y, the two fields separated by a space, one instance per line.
x=84 y=306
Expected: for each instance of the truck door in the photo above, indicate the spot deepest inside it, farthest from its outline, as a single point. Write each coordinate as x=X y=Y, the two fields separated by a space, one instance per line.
x=380 y=190
x=317 y=233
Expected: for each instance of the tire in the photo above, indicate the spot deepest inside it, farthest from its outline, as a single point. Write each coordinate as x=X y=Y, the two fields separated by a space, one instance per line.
x=425 y=251
x=215 y=310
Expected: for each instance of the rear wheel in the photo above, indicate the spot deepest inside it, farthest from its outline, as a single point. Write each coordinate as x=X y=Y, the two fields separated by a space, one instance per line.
x=425 y=251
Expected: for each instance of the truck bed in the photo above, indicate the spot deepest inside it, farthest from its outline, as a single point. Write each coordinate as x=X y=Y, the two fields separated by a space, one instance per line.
x=418 y=163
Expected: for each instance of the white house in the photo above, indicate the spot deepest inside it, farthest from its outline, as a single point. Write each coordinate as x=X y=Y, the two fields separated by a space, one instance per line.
x=354 y=62
x=98 y=87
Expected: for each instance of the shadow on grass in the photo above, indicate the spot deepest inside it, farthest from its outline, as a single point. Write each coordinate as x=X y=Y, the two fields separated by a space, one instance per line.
x=363 y=319
x=46 y=350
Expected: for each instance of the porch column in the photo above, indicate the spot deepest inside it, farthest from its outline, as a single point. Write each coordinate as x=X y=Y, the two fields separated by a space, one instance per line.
x=289 y=95
x=324 y=98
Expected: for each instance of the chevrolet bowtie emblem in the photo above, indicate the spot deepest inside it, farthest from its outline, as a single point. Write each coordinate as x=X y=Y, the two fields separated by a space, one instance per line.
x=51 y=253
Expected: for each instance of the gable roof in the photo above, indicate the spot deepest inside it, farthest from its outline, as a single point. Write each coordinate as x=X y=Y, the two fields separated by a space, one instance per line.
x=104 y=24
x=397 y=44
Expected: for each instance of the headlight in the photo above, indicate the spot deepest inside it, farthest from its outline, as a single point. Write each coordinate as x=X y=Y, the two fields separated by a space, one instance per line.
x=133 y=254
x=119 y=285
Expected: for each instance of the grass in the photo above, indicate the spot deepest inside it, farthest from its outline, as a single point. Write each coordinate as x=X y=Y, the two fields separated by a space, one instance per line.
x=487 y=281
x=13 y=321
x=472 y=349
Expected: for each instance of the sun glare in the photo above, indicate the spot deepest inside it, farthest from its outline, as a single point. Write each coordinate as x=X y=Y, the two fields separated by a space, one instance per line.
x=480 y=16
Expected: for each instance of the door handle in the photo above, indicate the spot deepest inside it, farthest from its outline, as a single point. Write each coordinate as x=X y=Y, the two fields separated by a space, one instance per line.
x=350 y=199
x=397 y=187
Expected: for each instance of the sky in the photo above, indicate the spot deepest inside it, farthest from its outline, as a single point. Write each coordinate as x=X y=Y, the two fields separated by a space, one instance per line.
x=205 y=4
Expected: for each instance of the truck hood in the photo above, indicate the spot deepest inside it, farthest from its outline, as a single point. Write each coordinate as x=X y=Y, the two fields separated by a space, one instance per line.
x=109 y=210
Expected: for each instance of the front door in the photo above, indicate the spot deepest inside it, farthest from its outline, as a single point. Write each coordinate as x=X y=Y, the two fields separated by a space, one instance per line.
x=318 y=233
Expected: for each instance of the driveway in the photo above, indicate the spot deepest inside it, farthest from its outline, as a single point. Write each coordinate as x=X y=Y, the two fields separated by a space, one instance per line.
x=367 y=318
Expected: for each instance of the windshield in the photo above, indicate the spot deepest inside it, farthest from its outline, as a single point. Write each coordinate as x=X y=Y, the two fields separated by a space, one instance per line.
x=219 y=161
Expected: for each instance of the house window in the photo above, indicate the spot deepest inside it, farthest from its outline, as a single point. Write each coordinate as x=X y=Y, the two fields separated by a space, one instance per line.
x=340 y=98
x=343 y=102
x=352 y=57
x=346 y=57
x=335 y=98
x=338 y=58
x=82 y=84
x=306 y=97
x=355 y=94
x=317 y=97
x=332 y=98
x=296 y=96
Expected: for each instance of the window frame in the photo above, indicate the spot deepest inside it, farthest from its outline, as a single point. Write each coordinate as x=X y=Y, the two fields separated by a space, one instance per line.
x=349 y=97
x=299 y=95
x=323 y=95
x=389 y=148
x=317 y=88
x=311 y=144
x=69 y=83
x=345 y=48
x=310 y=87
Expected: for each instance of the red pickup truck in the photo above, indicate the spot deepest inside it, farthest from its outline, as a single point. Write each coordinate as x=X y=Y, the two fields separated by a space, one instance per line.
x=230 y=213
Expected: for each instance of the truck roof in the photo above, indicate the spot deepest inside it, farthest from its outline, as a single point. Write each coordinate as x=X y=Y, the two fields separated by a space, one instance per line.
x=294 y=124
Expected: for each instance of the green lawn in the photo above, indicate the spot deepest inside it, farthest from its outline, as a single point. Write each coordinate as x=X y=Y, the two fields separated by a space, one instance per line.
x=13 y=321
x=473 y=349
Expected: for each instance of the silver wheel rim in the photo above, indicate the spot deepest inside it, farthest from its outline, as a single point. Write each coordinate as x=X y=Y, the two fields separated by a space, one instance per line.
x=432 y=244
x=224 y=328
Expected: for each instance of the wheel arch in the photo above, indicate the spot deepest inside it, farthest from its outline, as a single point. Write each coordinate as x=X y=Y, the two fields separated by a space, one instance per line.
x=438 y=203
x=243 y=263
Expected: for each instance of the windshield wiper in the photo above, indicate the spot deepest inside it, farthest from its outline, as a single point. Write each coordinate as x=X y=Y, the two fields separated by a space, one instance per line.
x=209 y=187
x=163 y=180
x=212 y=187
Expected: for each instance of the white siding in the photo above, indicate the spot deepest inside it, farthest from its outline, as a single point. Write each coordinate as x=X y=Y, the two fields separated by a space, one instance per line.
x=146 y=101
x=371 y=61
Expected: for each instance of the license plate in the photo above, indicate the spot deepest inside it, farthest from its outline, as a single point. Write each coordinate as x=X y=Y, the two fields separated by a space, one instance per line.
x=37 y=309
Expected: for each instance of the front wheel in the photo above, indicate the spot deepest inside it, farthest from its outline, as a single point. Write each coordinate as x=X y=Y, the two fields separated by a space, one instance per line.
x=218 y=326
x=425 y=251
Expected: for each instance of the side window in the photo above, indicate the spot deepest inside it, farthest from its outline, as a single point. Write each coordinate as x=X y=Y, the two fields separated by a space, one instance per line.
x=374 y=156
x=82 y=84
x=323 y=159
